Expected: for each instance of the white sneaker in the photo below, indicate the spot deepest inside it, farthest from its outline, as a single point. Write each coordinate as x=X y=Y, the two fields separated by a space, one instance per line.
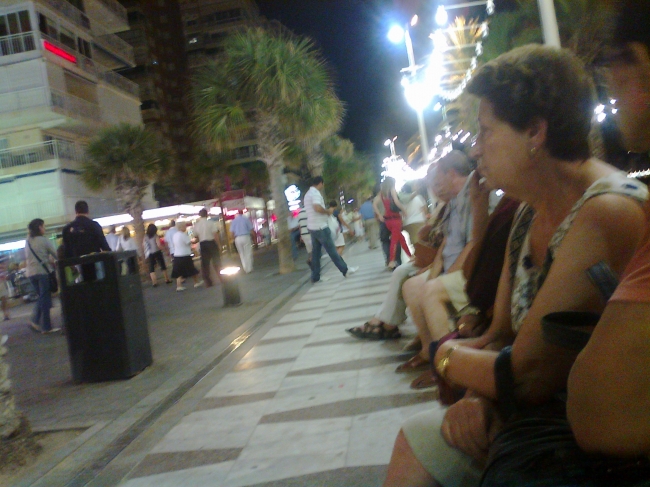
x=53 y=330
x=322 y=279
x=180 y=288
x=35 y=327
x=351 y=270
x=198 y=284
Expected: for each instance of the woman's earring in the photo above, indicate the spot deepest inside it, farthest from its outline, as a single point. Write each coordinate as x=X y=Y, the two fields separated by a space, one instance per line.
x=533 y=151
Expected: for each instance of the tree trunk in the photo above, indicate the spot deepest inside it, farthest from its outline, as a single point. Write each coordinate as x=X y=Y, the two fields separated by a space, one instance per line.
x=276 y=176
x=138 y=225
x=9 y=417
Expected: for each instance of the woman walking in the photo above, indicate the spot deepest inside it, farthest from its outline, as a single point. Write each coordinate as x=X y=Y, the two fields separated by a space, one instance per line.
x=40 y=256
x=125 y=242
x=153 y=253
x=393 y=219
x=183 y=263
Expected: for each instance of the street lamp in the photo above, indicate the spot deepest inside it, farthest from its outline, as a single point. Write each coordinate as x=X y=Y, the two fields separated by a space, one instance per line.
x=391 y=143
x=417 y=95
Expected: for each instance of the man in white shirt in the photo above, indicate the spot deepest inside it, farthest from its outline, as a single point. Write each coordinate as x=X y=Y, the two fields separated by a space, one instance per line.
x=317 y=219
x=169 y=237
x=207 y=233
x=304 y=233
x=112 y=238
x=242 y=230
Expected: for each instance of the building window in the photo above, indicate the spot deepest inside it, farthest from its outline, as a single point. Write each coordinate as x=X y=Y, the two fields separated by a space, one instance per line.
x=15 y=23
x=67 y=38
x=224 y=16
x=84 y=47
x=191 y=22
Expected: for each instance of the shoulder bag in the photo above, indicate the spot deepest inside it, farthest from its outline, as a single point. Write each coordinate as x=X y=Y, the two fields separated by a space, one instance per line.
x=54 y=283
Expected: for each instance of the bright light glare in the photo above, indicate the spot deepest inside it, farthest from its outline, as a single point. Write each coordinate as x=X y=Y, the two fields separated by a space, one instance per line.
x=614 y=110
x=229 y=271
x=437 y=106
x=601 y=117
x=599 y=109
x=418 y=95
x=387 y=143
x=396 y=34
x=612 y=101
x=414 y=20
x=441 y=16
x=439 y=40
x=6 y=247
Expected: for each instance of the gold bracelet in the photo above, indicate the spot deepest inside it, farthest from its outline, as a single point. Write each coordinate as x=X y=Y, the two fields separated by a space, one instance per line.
x=443 y=364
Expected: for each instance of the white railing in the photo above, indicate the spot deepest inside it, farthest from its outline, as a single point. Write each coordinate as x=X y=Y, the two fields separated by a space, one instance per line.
x=68 y=11
x=17 y=43
x=45 y=151
x=113 y=44
x=119 y=81
x=75 y=107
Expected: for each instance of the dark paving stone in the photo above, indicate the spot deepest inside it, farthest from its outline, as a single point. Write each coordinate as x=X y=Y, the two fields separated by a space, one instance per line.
x=269 y=341
x=352 y=407
x=222 y=402
x=363 y=363
x=341 y=477
x=156 y=463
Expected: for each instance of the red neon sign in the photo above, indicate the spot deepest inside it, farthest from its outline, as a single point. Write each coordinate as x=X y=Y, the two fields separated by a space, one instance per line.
x=59 y=52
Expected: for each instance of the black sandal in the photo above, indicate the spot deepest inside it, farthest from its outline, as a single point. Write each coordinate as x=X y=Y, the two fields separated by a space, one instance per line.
x=374 y=332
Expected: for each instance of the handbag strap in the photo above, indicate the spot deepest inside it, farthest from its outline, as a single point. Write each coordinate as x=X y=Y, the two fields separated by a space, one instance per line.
x=47 y=271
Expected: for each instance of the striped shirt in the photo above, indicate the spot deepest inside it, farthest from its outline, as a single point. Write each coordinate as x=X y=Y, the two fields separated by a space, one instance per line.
x=315 y=220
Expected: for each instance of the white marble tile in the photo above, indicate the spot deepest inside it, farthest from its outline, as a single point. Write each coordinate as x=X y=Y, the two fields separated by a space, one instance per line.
x=381 y=348
x=311 y=304
x=303 y=391
x=207 y=435
x=348 y=314
x=212 y=475
x=251 y=381
x=326 y=355
x=320 y=436
x=260 y=470
x=272 y=351
x=363 y=291
x=344 y=302
x=323 y=333
x=373 y=435
x=301 y=316
x=384 y=381
x=291 y=330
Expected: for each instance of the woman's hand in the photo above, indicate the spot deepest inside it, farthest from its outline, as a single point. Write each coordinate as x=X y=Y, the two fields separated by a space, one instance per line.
x=471 y=425
x=479 y=192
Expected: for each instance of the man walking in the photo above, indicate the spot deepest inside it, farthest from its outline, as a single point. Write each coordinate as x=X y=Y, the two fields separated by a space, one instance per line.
x=169 y=237
x=112 y=238
x=83 y=236
x=208 y=235
x=317 y=219
x=242 y=230
x=370 y=224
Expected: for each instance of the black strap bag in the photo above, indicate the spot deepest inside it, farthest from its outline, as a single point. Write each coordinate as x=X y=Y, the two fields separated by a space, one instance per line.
x=54 y=282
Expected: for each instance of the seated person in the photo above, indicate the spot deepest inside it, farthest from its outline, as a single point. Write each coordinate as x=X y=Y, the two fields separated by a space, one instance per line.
x=455 y=167
x=534 y=117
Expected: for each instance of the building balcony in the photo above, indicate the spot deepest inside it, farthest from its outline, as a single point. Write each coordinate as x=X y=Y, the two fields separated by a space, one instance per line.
x=17 y=44
x=118 y=53
x=41 y=156
x=74 y=107
x=98 y=71
x=109 y=13
x=65 y=9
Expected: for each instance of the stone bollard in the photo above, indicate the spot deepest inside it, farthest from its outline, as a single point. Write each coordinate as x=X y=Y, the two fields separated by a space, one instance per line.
x=230 y=285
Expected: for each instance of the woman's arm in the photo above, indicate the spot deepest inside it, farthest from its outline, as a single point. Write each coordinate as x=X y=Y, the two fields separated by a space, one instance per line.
x=397 y=201
x=609 y=385
x=344 y=223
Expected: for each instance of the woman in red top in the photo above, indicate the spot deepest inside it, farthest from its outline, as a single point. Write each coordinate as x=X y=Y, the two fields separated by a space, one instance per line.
x=393 y=219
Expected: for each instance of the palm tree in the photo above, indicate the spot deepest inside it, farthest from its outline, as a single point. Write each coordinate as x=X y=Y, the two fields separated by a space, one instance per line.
x=277 y=85
x=129 y=158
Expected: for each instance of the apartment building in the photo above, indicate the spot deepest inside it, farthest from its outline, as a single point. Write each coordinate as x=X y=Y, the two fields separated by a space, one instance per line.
x=58 y=87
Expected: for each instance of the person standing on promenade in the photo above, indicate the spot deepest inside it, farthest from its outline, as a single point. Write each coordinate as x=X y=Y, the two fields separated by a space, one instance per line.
x=83 y=236
x=112 y=238
x=183 y=263
x=208 y=234
x=40 y=255
x=169 y=237
x=317 y=219
x=242 y=231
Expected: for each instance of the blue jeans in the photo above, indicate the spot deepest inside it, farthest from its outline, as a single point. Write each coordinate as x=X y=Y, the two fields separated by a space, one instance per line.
x=295 y=236
x=41 y=312
x=323 y=238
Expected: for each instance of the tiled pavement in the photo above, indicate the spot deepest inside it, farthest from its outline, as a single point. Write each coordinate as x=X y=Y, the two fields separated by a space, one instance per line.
x=308 y=405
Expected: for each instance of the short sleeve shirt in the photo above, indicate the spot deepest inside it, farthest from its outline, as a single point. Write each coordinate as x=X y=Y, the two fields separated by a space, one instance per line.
x=204 y=229
x=315 y=220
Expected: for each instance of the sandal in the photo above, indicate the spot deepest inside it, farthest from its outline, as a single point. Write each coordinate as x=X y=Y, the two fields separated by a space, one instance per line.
x=374 y=332
x=414 y=363
x=424 y=381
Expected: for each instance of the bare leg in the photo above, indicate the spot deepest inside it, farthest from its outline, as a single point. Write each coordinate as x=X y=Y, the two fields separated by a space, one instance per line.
x=154 y=279
x=404 y=469
x=340 y=250
x=166 y=276
x=413 y=292
x=434 y=307
x=179 y=282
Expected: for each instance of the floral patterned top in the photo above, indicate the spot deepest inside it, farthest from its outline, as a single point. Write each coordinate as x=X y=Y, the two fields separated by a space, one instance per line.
x=527 y=279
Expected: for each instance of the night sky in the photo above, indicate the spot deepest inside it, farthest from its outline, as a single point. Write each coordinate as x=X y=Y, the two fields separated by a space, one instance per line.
x=351 y=35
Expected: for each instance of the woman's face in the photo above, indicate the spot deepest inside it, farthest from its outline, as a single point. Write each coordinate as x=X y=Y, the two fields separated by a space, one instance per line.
x=629 y=84
x=41 y=229
x=502 y=152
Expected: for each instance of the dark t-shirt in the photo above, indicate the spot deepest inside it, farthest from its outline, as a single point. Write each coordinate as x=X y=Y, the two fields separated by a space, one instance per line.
x=83 y=236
